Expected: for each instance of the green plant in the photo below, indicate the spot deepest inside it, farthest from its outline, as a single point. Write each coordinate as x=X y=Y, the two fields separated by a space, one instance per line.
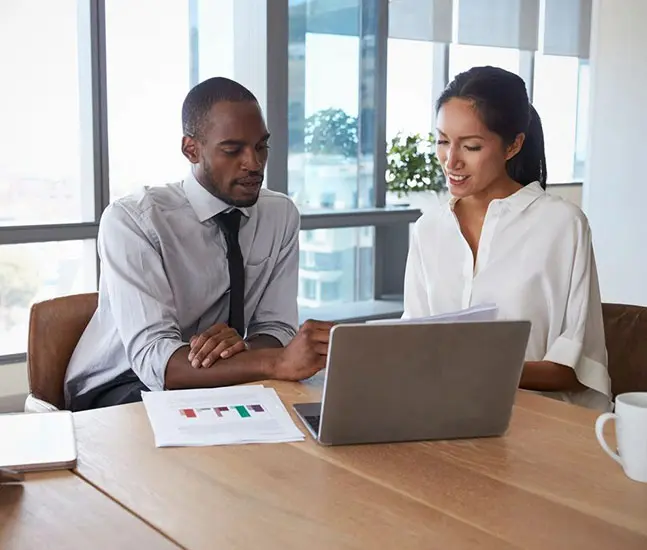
x=331 y=132
x=412 y=165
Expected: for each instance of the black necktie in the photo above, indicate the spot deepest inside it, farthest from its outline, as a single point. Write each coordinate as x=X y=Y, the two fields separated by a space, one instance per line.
x=230 y=224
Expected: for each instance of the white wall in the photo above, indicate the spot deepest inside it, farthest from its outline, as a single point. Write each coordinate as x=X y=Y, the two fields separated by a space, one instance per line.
x=13 y=379
x=570 y=192
x=615 y=189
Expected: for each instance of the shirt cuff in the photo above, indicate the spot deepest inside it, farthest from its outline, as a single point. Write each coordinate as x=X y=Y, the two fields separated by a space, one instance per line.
x=282 y=332
x=158 y=359
x=592 y=374
x=565 y=352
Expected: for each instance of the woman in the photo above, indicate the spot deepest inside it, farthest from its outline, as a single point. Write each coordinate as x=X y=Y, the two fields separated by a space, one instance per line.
x=503 y=239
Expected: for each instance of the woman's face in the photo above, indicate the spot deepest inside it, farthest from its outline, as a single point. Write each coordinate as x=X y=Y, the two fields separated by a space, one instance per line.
x=472 y=157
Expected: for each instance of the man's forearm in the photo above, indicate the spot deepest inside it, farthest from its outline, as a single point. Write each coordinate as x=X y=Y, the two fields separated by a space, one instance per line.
x=548 y=376
x=263 y=341
x=248 y=366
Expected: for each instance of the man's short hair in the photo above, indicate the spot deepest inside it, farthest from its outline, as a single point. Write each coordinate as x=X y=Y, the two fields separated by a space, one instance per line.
x=203 y=96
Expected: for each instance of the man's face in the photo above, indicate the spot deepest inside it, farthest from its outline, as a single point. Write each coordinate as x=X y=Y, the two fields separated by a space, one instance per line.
x=231 y=153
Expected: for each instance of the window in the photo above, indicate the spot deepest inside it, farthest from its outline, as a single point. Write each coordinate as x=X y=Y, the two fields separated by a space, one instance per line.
x=55 y=176
x=410 y=94
x=562 y=109
x=337 y=265
x=33 y=272
x=463 y=57
x=328 y=261
x=329 y=98
x=47 y=161
x=330 y=158
x=147 y=79
x=410 y=101
x=43 y=136
x=309 y=289
x=330 y=292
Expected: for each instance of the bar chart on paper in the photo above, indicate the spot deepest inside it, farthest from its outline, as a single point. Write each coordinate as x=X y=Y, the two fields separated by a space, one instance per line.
x=226 y=411
x=219 y=416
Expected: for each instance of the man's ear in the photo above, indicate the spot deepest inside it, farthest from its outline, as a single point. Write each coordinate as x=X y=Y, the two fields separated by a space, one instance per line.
x=515 y=146
x=191 y=149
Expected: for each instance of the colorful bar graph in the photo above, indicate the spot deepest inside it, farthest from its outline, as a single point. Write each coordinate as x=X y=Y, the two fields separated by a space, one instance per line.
x=242 y=411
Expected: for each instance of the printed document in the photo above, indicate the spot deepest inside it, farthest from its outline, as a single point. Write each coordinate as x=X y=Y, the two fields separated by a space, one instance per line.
x=219 y=416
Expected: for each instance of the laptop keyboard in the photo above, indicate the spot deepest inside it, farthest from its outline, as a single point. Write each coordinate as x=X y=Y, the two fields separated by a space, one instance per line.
x=314 y=422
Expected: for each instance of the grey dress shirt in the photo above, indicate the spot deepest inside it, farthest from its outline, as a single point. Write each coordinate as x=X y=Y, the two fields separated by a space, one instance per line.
x=164 y=278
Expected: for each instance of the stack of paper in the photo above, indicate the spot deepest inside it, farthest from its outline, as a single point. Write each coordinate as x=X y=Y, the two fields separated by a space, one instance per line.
x=219 y=416
x=479 y=313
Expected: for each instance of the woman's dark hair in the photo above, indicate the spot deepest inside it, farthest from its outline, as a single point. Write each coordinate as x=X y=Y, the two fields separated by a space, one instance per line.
x=501 y=99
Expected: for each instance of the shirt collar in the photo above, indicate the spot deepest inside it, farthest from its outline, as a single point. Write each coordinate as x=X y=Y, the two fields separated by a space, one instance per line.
x=519 y=200
x=205 y=205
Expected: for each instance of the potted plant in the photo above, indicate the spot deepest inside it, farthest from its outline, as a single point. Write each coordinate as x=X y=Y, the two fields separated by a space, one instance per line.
x=414 y=175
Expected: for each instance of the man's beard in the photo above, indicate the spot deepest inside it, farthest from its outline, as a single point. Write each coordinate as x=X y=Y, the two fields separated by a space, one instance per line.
x=211 y=186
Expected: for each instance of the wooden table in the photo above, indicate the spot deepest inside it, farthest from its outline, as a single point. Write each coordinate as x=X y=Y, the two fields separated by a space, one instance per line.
x=546 y=484
x=60 y=510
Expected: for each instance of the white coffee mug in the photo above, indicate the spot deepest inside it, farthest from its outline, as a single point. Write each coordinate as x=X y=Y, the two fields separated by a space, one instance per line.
x=631 y=433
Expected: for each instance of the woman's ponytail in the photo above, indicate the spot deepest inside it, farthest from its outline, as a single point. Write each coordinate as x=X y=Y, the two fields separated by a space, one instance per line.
x=529 y=164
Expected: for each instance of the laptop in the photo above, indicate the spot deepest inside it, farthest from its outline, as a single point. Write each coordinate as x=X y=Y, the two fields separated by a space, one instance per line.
x=412 y=382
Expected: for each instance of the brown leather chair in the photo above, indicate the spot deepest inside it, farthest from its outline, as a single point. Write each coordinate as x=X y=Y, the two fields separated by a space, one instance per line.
x=625 y=330
x=55 y=327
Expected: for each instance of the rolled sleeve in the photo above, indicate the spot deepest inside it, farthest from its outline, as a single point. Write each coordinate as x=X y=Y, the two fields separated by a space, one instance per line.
x=282 y=332
x=581 y=344
x=277 y=312
x=157 y=356
x=139 y=292
x=565 y=352
x=589 y=372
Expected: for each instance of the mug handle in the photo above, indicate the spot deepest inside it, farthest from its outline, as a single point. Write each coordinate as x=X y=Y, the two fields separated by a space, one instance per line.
x=599 y=433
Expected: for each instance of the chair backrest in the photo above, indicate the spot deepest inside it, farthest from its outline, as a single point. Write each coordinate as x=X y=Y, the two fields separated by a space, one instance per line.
x=625 y=330
x=55 y=327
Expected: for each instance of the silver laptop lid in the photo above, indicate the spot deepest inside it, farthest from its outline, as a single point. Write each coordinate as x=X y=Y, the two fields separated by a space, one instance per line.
x=406 y=382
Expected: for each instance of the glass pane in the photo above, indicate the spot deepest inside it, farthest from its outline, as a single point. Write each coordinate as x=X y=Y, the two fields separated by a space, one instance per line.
x=34 y=272
x=410 y=102
x=43 y=136
x=409 y=93
x=463 y=57
x=330 y=162
x=336 y=266
x=148 y=72
x=558 y=108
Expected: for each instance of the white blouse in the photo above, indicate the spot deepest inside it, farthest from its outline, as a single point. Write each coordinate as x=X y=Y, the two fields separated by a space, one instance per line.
x=535 y=261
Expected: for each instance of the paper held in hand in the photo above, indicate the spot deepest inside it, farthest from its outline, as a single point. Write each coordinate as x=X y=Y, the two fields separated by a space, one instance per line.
x=219 y=416
x=479 y=313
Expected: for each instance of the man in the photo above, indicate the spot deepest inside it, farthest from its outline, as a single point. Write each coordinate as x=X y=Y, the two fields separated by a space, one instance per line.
x=190 y=268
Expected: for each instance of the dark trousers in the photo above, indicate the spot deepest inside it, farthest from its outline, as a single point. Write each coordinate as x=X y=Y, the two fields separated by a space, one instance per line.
x=126 y=388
